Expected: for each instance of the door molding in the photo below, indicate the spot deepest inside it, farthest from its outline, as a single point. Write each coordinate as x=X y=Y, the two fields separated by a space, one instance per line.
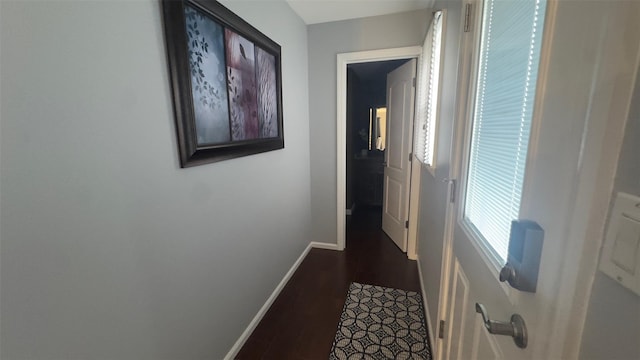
x=344 y=59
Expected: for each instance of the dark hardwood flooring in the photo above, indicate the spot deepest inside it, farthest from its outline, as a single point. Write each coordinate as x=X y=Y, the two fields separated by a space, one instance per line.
x=302 y=322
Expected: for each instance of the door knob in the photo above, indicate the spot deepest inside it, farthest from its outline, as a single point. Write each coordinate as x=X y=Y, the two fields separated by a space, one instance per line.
x=516 y=328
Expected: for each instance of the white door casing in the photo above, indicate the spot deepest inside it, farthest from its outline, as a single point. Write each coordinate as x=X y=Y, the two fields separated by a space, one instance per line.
x=585 y=77
x=343 y=59
x=397 y=169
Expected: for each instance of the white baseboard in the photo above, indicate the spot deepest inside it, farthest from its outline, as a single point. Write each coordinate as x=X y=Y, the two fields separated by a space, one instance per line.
x=430 y=328
x=321 y=245
x=263 y=310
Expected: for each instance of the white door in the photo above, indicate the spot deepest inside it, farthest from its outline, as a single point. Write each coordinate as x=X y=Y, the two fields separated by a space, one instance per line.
x=584 y=62
x=397 y=174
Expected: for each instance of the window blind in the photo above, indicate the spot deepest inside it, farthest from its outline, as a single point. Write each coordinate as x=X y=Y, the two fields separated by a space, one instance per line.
x=427 y=91
x=504 y=98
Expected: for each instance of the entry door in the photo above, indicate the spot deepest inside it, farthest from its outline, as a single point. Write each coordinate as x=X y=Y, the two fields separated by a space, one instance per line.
x=580 y=51
x=397 y=169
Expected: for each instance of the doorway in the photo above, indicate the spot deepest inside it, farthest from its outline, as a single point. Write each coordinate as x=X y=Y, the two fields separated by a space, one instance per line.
x=365 y=133
x=366 y=136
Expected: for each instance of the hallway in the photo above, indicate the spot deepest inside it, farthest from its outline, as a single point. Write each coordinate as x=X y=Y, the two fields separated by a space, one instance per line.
x=302 y=322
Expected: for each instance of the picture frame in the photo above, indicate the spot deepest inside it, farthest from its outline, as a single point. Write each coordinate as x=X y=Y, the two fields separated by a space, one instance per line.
x=226 y=82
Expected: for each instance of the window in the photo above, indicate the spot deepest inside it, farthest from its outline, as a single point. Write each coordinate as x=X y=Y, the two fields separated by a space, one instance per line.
x=427 y=91
x=505 y=87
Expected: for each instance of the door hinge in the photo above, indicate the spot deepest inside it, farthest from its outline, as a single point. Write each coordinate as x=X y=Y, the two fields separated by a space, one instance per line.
x=452 y=194
x=410 y=157
x=441 y=330
x=467 y=18
x=406 y=224
x=414 y=82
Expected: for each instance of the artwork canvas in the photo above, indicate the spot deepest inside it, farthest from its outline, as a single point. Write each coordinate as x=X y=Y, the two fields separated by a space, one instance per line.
x=205 y=40
x=226 y=82
x=241 y=80
x=267 y=94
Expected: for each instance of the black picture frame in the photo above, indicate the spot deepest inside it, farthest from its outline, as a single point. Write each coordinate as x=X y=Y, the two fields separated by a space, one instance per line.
x=199 y=36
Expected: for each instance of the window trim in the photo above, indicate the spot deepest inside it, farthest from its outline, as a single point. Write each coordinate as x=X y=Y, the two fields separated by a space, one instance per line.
x=431 y=167
x=473 y=48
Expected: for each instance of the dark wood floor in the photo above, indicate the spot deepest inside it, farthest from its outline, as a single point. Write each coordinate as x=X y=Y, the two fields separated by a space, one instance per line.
x=302 y=322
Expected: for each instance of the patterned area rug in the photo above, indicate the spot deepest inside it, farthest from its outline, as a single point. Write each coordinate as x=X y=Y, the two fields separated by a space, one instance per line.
x=381 y=323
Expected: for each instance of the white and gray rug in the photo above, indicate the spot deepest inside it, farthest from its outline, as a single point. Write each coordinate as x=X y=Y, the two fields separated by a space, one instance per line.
x=381 y=323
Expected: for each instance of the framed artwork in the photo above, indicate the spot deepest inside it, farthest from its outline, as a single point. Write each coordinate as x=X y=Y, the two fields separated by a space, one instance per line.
x=226 y=80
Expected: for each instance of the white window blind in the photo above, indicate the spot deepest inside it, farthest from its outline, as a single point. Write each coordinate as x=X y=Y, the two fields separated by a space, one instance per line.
x=504 y=99
x=427 y=91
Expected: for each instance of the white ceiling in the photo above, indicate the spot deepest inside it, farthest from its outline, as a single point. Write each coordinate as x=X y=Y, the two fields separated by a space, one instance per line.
x=319 y=11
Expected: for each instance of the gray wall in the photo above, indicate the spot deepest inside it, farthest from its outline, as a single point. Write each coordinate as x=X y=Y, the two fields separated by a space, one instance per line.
x=325 y=42
x=612 y=326
x=109 y=249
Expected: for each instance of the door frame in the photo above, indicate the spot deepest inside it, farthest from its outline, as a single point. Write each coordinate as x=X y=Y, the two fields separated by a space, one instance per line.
x=344 y=59
x=464 y=80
